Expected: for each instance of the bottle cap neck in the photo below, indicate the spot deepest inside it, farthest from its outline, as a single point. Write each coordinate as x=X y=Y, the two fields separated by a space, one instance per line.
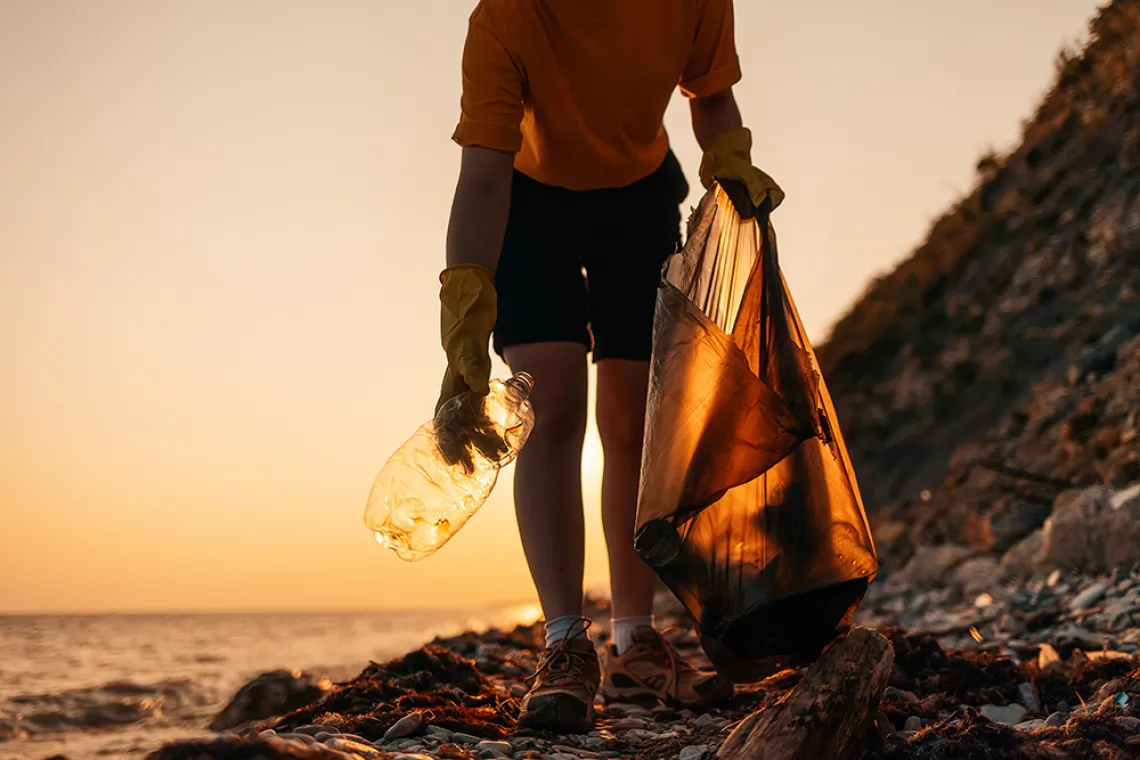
x=522 y=383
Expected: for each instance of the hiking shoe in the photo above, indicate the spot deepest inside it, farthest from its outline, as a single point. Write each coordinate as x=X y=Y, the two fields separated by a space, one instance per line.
x=650 y=670
x=565 y=684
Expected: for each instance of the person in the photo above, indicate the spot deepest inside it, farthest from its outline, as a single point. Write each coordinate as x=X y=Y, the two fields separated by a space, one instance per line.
x=566 y=207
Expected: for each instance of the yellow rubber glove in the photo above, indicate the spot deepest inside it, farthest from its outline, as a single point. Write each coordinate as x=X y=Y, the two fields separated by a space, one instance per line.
x=729 y=158
x=467 y=316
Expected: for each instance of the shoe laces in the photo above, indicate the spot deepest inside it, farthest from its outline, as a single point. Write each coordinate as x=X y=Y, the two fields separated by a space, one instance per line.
x=677 y=664
x=560 y=658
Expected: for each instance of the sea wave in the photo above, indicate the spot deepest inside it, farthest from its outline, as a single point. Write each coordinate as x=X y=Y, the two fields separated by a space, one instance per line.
x=115 y=703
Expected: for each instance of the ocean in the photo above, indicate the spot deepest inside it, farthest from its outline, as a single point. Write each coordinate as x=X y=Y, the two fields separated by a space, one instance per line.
x=97 y=686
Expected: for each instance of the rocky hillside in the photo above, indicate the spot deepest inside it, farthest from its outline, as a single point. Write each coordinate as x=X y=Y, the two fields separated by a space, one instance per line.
x=998 y=365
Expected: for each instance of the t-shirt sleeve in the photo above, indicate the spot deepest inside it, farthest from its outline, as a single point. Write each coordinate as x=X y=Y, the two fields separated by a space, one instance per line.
x=713 y=63
x=491 y=107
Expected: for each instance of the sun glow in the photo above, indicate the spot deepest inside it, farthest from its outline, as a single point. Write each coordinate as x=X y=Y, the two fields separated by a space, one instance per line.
x=592 y=460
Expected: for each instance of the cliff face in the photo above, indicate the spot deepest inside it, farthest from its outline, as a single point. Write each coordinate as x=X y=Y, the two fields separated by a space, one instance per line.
x=1008 y=336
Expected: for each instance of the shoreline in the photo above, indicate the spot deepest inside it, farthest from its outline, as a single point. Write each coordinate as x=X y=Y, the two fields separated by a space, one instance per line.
x=1035 y=691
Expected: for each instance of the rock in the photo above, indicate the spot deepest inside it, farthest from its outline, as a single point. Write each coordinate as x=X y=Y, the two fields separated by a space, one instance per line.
x=1047 y=656
x=438 y=731
x=1028 y=696
x=625 y=724
x=627 y=710
x=498 y=747
x=883 y=727
x=349 y=745
x=1056 y=719
x=405 y=726
x=974 y=575
x=1124 y=498
x=1014 y=523
x=273 y=693
x=930 y=564
x=1088 y=597
x=638 y=735
x=906 y=696
x=1130 y=723
x=573 y=751
x=1074 y=524
x=1071 y=633
x=1020 y=562
x=313 y=730
x=1087 y=534
x=1008 y=714
x=1116 y=614
x=1053 y=579
x=304 y=738
x=1030 y=725
x=913 y=723
x=696 y=752
x=466 y=738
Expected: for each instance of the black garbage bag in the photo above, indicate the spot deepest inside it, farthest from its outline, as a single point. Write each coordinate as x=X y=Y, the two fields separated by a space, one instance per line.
x=749 y=510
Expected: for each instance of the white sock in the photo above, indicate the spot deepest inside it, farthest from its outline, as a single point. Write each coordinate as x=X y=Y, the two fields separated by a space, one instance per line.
x=623 y=629
x=564 y=627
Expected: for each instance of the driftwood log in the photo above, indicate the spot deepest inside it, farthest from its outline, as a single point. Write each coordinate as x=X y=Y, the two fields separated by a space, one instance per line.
x=827 y=715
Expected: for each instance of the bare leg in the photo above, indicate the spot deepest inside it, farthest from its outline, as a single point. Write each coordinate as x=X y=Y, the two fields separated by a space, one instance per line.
x=548 y=473
x=622 y=387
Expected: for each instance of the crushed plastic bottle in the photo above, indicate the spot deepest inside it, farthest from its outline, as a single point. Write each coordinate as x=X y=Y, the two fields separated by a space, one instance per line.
x=431 y=485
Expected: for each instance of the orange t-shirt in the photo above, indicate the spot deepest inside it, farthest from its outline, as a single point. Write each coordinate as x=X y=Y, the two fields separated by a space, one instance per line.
x=577 y=89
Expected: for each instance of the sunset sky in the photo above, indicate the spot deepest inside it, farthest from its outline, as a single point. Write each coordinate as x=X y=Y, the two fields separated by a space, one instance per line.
x=221 y=225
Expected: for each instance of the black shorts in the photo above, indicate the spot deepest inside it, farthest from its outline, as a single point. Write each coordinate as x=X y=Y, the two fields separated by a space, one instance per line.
x=583 y=266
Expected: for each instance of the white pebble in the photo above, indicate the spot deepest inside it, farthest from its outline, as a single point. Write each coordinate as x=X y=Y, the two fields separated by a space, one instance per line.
x=502 y=748
x=1008 y=714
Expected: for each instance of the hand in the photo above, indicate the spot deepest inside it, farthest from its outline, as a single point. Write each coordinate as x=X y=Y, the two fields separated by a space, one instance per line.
x=728 y=161
x=467 y=316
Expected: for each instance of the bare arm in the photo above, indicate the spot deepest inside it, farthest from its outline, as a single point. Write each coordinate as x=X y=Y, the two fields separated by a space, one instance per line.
x=714 y=115
x=479 y=210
